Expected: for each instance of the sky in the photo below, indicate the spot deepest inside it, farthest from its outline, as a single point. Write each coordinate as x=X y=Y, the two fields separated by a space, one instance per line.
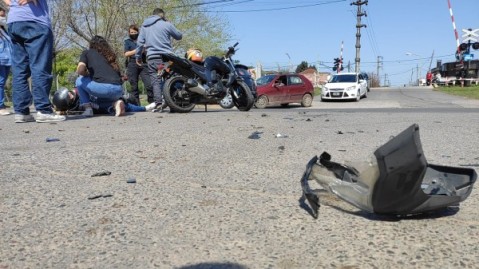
x=406 y=34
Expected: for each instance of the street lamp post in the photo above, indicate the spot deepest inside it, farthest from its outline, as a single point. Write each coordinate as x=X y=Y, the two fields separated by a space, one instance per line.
x=290 y=64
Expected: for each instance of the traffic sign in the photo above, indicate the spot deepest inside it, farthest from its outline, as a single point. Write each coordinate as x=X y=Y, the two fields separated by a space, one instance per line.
x=470 y=35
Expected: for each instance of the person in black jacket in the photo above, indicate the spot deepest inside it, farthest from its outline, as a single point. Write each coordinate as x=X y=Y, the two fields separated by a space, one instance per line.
x=135 y=71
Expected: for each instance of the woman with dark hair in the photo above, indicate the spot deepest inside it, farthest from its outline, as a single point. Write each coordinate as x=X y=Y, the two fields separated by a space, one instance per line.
x=135 y=71
x=99 y=84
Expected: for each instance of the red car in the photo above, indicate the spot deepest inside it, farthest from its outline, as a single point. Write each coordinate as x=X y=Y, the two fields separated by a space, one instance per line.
x=283 y=89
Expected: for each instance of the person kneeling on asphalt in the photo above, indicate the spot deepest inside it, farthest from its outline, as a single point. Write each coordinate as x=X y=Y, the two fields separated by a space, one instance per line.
x=100 y=84
x=68 y=102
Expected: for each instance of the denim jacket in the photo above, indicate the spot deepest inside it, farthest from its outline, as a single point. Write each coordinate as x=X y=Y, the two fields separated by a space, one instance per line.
x=5 y=48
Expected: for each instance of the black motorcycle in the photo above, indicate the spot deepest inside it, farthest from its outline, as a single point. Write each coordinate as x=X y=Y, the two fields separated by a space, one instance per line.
x=185 y=83
x=242 y=70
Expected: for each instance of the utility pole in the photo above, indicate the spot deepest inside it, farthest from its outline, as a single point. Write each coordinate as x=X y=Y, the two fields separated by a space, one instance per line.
x=358 y=32
x=341 y=58
x=379 y=65
x=417 y=74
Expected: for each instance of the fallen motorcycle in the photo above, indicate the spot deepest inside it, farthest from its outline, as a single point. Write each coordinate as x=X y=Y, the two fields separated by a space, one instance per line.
x=185 y=83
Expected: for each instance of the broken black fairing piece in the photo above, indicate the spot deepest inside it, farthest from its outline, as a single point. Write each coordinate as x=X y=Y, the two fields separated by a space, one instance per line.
x=395 y=180
x=308 y=193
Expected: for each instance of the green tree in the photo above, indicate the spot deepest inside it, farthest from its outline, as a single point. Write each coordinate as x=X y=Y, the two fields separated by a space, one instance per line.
x=303 y=66
x=75 y=22
x=64 y=67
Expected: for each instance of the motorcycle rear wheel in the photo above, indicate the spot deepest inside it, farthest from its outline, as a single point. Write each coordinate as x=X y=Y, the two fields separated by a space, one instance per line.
x=242 y=97
x=176 y=97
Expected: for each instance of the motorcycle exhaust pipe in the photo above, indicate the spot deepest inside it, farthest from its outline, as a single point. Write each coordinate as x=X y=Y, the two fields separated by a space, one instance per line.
x=193 y=86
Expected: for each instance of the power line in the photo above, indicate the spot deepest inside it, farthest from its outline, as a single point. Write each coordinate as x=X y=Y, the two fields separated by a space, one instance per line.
x=372 y=35
x=278 y=8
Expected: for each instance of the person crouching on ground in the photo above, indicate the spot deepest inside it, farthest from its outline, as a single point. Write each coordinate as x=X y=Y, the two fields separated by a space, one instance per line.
x=100 y=84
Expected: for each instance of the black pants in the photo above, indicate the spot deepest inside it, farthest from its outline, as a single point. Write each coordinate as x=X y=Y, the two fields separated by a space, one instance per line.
x=135 y=72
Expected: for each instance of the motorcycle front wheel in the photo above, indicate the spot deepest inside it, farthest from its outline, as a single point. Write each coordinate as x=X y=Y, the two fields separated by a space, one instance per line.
x=242 y=97
x=176 y=96
x=227 y=102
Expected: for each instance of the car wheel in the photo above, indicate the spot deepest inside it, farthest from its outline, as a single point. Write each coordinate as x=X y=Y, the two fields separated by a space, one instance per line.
x=358 y=96
x=307 y=100
x=261 y=102
x=285 y=105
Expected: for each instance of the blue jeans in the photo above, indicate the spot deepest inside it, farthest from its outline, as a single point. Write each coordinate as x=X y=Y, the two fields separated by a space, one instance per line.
x=4 y=70
x=101 y=94
x=32 y=57
x=156 y=82
x=134 y=108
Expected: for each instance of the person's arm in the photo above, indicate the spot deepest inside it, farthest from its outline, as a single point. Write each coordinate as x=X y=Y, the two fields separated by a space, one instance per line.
x=175 y=33
x=141 y=45
x=21 y=2
x=82 y=70
x=128 y=49
x=130 y=53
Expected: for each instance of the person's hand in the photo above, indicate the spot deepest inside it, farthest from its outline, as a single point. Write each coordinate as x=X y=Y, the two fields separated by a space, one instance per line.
x=138 y=62
x=24 y=2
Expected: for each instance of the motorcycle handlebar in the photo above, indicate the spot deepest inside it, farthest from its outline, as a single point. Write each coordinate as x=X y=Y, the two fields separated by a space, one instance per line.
x=231 y=50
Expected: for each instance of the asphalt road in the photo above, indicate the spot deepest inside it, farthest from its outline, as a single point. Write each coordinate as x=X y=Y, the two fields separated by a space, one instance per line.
x=208 y=196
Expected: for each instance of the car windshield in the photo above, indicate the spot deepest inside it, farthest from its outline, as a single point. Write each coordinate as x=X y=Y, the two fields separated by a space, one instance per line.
x=343 y=78
x=265 y=80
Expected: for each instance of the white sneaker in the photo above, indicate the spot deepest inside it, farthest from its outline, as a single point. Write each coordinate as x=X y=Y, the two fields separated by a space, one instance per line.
x=119 y=108
x=4 y=112
x=19 y=118
x=150 y=107
x=52 y=117
x=88 y=112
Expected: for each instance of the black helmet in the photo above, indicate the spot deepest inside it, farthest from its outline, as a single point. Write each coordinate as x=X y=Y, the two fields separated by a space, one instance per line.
x=64 y=100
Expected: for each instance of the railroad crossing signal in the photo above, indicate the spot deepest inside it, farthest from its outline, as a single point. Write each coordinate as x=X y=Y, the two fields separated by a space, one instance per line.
x=470 y=35
x=470 y=38
x=338 y=65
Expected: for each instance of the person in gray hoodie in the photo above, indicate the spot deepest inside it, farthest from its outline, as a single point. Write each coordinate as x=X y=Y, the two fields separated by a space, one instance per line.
x=155 y=38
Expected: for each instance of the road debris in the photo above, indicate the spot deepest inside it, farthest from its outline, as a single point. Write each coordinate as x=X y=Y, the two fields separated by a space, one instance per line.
x=255 y=135
x=278 y=135
x=395 y=180
x=96 y=196
x=100 y=174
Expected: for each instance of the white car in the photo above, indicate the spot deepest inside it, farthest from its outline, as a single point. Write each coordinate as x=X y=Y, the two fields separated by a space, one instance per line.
x=345 y=86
